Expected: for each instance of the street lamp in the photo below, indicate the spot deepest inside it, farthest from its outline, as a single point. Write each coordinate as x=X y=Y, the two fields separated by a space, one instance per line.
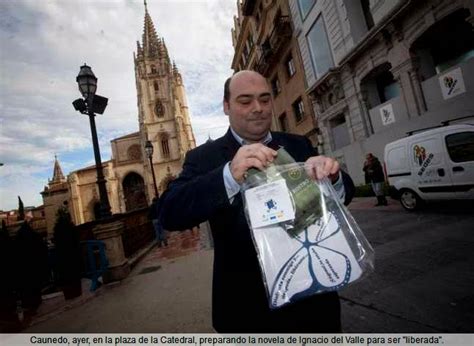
x=91 y=104
x=149 y=153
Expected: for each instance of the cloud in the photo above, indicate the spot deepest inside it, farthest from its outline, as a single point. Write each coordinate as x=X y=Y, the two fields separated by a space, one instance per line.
x=45 y=42
x=213 y=126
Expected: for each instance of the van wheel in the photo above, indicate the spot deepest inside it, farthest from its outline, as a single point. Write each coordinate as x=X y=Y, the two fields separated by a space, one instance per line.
x=410 y=200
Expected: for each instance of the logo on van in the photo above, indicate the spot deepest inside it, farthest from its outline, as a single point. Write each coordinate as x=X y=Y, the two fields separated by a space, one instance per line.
x=421 y=159
x=419 y=154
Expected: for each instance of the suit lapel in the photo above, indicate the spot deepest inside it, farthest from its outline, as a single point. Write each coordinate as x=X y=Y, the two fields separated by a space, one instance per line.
x=228 y=146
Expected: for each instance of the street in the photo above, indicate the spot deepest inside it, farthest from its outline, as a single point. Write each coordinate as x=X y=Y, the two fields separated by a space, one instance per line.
x=422 y=283
x=423 y=279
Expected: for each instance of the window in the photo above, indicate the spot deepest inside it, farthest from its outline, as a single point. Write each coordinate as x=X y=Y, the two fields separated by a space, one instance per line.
x=159 y=109
x=165 y=149
x=461 y=146
x=275 y=86
x=134 y=152
x=339 y=132
x=379 y=86
x=290 y=66
x=397 y=157
x=387 y=87
x=319 y=48
x=298 y=109
x=155 y=86
x=153 y=69
x=283 y=121
x=305 y=6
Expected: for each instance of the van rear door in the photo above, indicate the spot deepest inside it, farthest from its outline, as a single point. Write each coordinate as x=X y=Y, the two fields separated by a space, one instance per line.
x=429 y=167
x=460 y=161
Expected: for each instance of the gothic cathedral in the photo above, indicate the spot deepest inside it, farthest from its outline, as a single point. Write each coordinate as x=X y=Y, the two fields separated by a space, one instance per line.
x=163 y=120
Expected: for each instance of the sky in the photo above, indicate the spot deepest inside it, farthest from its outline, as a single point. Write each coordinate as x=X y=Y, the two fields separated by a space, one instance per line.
x=44 y=43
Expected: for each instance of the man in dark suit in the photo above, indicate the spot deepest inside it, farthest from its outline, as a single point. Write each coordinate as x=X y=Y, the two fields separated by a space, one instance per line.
x=208 y=189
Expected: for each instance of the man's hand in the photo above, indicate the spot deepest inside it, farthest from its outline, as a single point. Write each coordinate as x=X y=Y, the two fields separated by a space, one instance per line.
x=253 y=155
x=319 y=167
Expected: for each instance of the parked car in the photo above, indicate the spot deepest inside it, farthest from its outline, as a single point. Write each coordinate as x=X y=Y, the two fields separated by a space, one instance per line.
x=433 y=164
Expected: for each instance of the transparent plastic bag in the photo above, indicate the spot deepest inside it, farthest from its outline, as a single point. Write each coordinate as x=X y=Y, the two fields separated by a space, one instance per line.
x=306 y=240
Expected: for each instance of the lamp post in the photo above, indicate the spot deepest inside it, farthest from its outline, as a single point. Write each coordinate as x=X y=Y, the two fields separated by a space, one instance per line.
x=149 y=153
x=90 y=105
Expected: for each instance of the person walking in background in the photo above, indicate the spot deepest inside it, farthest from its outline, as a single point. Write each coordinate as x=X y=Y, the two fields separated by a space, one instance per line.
x=154 y=215
x=375 y=177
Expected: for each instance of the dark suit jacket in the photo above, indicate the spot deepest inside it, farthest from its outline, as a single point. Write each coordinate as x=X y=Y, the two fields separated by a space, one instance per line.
x=239 y=297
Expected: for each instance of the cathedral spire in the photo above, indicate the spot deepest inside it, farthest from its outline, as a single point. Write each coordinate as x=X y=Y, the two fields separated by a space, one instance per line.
x=139 y=50
x=58 y=176
x=176 y=74
x=165 y=50
x=150 y=37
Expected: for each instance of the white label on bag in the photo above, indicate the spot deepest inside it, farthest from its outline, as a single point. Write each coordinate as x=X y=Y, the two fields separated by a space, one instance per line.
x=269 y=204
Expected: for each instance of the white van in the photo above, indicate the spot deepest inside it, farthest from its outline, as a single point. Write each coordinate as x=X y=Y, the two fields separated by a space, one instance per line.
x=434 y=164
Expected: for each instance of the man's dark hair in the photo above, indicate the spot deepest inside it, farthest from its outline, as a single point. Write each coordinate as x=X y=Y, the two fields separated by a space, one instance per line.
x=227 y=90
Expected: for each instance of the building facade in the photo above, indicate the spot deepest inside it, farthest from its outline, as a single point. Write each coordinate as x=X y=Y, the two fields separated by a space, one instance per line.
x=163 y=120
x=263 y=41
x=377 y=69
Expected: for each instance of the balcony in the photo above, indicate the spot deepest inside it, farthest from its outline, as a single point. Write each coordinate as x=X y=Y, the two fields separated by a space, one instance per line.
x=281 y=33
x=266 y=59
x=273 y=45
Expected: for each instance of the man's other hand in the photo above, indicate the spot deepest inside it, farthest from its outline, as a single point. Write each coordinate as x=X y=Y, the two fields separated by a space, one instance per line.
x=319 y=167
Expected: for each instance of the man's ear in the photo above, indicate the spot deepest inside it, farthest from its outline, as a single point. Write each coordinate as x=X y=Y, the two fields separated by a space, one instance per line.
x=226 y=107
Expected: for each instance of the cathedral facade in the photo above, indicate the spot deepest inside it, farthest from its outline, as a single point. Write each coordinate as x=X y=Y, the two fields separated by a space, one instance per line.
x=163 y=120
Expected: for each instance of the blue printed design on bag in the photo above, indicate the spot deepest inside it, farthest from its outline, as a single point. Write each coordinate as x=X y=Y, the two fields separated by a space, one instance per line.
x=271 y=204
x=328 y=269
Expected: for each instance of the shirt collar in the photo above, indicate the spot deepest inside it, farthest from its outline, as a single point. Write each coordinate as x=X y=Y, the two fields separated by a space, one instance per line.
x=268 y=138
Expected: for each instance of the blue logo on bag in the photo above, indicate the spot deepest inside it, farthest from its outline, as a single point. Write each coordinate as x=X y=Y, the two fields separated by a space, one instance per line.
x=271 y=204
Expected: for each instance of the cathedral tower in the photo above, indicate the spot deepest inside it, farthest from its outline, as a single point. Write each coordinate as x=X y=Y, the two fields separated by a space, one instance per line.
x=162 y=106
x=163 y=119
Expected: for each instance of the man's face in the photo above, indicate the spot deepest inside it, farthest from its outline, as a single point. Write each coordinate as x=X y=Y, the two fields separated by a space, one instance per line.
x=250 y=106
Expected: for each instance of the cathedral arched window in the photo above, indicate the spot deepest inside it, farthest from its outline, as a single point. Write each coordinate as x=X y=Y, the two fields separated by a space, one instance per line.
x=159 y=109
x=165 y=149
x=153 y=69
x=134 y=153
x=155 y=85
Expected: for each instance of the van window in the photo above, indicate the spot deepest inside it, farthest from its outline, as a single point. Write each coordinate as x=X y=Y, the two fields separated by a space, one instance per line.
x=461 y=146
x=397 y=158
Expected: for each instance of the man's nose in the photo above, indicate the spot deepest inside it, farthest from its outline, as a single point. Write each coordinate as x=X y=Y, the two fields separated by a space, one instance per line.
x=257 y=106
